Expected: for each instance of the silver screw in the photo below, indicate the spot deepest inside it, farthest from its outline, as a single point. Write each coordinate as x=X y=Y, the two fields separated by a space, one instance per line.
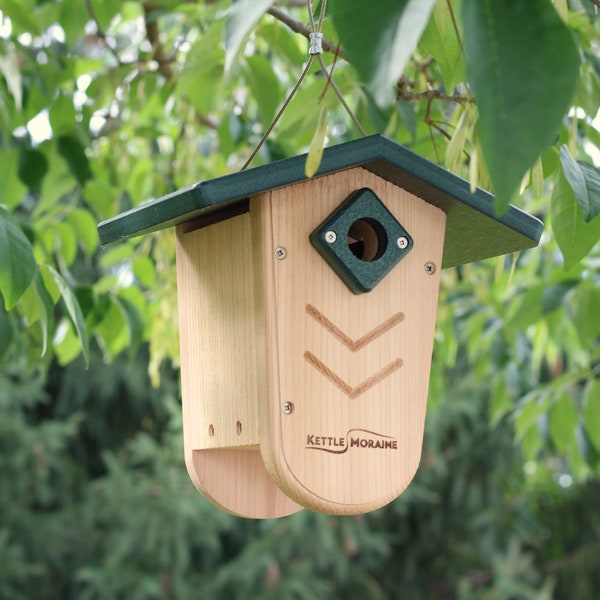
x=429 y=268
x=402 y=242
x=287 y=408
x=280 y=253
x=330 y=237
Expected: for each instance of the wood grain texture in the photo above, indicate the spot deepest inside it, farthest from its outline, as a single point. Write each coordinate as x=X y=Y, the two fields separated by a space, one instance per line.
x=219 y=323
x=354 y=345
x=339 y=451
x=222 y=378
x=237 y=482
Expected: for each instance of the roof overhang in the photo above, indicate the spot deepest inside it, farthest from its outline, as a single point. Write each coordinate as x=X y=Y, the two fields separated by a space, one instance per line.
x=473 y=230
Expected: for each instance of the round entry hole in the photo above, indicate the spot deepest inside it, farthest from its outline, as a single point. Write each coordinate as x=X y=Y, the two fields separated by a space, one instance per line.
x=367 y=239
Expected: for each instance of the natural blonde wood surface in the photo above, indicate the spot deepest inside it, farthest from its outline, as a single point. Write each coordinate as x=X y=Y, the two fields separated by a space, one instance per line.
x=355 y=368
x=236 y=481
x=221 y=328
x=218 y=321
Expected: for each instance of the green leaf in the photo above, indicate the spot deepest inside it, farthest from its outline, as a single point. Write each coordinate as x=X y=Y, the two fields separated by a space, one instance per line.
x=13 y=189
x=144 y=270
x=584 y=312
x=527 y=310
x=12 y=74
x=591 y=411
x=135 y=324
x=441 y=42
x=563 y=422
x=456 y=145
x=66 y=242
x=50 y=283
x=113 y=331
x=315 y=151
x=17 y=262
x=585 y=181
x=105 y=10
x=37 y=306
x=553 y=295
x=537 y=178
x=380 y=39
x=72 y=20
x=67 y=345
x=33 y=165
x=284 y=42
x=21 y=15
x=574 y=236
x=509 y=47
x=100 y=195
x=74 y=311
x=114 y=255
x=241 y=19
x=73 y=152
x=202 y=79
x=264 y=86
x=6 y=331
x=84 y=225
x=586 y=447
x=529 y=413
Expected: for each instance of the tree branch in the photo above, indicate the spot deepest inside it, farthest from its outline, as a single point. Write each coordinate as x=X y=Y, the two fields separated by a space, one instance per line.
x=431 y=94
x=302 y=29
x=163 y=59
x=100 y=32
x=405 y=86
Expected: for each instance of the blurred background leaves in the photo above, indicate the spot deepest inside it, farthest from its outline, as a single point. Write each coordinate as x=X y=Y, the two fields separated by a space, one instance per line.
x=104 y=105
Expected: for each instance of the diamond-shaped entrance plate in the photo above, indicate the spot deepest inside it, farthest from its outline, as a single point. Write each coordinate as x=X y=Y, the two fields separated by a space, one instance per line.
x=361 y=241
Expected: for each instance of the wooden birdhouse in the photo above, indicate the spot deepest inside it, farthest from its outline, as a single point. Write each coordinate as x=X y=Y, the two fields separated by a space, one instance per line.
x=307 y=313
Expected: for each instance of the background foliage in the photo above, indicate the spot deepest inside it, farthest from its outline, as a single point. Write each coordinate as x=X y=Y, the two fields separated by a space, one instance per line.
x=106 y=104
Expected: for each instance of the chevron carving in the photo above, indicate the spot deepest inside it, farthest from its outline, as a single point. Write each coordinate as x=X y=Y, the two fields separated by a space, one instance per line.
x=361 y=342
x=354 y=346
x=357 y=390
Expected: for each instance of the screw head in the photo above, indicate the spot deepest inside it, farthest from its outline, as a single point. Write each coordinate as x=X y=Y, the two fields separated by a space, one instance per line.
x=280 y=253
x=287 y=408
x=402 y=242
x=330 y=237
x=429 y=268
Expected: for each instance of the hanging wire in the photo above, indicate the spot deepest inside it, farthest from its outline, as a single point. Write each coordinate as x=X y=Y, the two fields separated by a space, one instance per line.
x=316 y=49
x=338 y=93
x=319 y=27
x=270 y=128
x=329 y=74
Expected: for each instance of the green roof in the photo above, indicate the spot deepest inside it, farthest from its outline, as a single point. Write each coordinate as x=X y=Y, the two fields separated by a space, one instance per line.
x=473 y=230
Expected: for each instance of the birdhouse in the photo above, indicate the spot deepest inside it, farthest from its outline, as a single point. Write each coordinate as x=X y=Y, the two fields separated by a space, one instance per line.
x=306 y=316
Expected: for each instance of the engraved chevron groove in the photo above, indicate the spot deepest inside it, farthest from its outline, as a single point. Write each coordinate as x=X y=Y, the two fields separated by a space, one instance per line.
x=357 y=390
x=361 y=342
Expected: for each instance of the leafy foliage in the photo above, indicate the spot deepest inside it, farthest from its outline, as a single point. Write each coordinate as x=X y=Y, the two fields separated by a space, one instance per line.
x=20 y=266
x=506 y=43
x=106 y=104
x=585 y=182
x=380 y=41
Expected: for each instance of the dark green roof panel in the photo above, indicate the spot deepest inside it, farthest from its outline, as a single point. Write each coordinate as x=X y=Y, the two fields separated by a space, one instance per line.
x=473 y=231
